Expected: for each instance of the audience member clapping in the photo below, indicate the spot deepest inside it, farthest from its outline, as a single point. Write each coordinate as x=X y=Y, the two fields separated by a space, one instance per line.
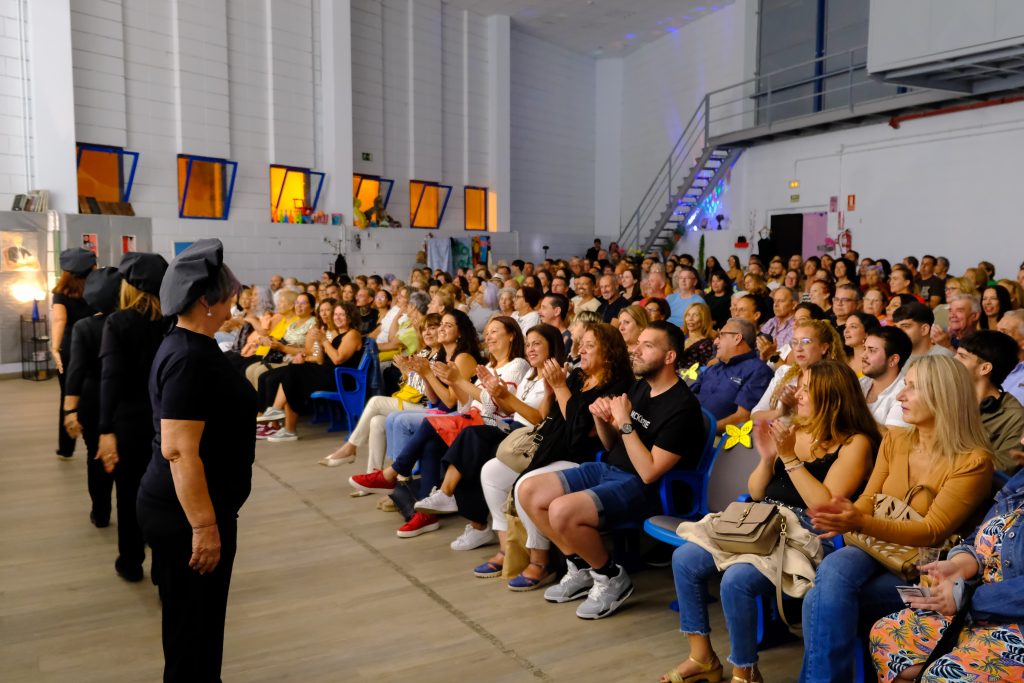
x=730 y=388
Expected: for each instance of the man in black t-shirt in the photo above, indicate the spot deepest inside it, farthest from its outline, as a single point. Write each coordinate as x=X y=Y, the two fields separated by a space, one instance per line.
x=656 y=427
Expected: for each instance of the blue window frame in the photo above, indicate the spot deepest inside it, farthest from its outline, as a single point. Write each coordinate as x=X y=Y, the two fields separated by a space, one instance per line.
x=205 y=186
x=99 y=160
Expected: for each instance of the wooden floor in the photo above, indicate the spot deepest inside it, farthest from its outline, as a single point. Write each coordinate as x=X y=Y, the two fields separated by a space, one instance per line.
x=323 y=590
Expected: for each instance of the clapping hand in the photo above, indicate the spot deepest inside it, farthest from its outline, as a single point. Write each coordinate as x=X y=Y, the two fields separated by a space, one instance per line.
x=784 y=437
x=554 y=374
x=835 y=517
x=765 y=348
x=601 y=409
x=787 y=398
x=940 y=337
x=494 y=385
x=764 y=442
x=621 y=409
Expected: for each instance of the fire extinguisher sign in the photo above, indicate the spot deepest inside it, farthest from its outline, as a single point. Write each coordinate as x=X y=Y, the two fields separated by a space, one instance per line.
x=851 y=202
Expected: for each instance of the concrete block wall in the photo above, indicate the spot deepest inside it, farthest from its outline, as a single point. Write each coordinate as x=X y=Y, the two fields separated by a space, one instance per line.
x=14 y=132
x=419 y=83
x=553 y=143
x=224 y=78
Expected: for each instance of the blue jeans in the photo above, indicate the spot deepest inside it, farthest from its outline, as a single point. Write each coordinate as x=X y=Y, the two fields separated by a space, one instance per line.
x=850 y=588
x=427 y=448
x=399 y=428
x=692 y=567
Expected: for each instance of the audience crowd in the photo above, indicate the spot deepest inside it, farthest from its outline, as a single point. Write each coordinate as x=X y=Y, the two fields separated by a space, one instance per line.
x=543 y=403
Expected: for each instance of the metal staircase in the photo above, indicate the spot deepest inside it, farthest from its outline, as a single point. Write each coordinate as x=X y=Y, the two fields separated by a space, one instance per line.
x=773 y=106
x=682 y=185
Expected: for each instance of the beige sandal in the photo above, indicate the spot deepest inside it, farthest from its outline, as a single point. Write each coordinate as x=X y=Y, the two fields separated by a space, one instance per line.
x=711 y=673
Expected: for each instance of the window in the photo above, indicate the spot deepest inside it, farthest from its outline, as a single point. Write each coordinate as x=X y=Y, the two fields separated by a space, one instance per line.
x=366 y=189
x=426 y=207
x=476 y=208
x=101 y=172
x=291 y=190
x=205 y=186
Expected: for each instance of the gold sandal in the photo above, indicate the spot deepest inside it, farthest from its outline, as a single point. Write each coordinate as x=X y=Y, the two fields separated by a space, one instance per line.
x=711 y=673
x=759 y=679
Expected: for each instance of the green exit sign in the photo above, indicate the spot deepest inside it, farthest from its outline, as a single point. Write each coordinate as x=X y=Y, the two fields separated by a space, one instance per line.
x=367 y=156
x=794 y=198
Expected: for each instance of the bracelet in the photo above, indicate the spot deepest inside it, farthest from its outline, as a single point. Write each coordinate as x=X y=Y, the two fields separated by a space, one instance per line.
x=794 y=467
x=69 y=412
x=204 y=526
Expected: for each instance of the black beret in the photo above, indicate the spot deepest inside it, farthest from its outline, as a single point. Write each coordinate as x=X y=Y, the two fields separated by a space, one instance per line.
x=102 y=289
x=144 y=271
x=190 y=275
x=77 y=261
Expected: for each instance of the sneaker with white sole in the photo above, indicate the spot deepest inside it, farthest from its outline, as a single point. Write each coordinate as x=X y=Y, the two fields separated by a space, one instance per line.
x=574 y=585
x=271 y=415
x=606 y=595
x=421 y=523
x=437 y=503
x=265 y=431
x=282 y=435
x=471 y=538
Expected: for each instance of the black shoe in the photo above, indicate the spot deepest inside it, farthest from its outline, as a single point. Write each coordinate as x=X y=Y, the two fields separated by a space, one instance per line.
x=99 y=522
x=130 y=574
x=64 y=456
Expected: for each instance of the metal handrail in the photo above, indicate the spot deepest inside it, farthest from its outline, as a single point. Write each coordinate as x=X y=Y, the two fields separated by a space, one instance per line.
x=755 y=104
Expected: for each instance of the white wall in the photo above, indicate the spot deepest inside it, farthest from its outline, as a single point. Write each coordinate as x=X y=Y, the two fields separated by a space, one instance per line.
x=420 y=99
x=14 y=133
x=553 y=142
x=662 y=85
x=948 y=185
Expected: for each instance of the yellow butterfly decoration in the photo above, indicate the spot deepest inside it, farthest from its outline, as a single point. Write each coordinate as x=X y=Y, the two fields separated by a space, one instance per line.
x=738 y=435
x=690 y=373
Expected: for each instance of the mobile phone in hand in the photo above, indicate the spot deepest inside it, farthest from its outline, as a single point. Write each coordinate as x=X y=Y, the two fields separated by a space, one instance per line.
x=907 y=592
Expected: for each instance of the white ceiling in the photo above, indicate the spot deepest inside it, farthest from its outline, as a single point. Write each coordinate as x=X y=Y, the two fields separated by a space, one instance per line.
x=599 y=28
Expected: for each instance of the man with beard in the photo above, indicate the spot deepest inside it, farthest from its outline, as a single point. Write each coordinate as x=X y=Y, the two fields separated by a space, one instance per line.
x=886 y=351
x=656 y=427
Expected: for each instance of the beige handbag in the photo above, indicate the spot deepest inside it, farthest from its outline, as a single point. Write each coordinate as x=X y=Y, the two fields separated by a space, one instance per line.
x=753 y=528
x=516 y=450
x=898 y=558
x=746 y=528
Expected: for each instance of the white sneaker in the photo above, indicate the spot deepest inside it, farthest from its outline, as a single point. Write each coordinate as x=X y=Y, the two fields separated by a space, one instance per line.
x=437 y=503
x=471 y=538
x=574 y=585
x=282 y=435
x=606 y=595
x=271 y=415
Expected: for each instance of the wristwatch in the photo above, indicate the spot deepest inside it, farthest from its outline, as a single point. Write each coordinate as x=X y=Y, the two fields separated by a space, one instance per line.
x=626 y=428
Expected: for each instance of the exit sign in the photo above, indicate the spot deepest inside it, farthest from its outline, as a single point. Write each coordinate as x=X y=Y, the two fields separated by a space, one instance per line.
x=794 y=198
x=367 y=156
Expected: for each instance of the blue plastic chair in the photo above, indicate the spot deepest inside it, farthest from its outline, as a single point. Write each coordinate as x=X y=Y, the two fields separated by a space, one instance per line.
x=349 y=400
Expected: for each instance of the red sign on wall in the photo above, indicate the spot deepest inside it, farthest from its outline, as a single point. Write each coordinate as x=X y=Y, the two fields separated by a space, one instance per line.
x=851 y=202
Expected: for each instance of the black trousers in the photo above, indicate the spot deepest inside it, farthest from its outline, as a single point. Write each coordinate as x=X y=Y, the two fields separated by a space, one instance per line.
x=65 y=444
x=101 y=484
x=134 y=450
x=472 y=448
x=194 y=605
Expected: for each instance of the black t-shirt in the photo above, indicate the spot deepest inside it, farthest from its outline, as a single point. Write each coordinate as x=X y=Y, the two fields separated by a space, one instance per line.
x=76 y=309
x=933 y=286
x=572 y=437
x=610 y=310
x=672 y=420
x=130 y=341
x=192 y=380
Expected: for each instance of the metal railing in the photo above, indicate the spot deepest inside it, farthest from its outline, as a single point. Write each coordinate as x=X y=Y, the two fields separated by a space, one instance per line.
x=783 y=99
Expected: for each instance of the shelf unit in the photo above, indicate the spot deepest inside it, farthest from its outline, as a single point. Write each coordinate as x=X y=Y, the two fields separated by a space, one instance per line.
x=35 y=349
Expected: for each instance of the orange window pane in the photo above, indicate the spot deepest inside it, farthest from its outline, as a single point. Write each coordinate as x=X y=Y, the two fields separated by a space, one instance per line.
x=99 y=175
x=365 y=189
x=423 y=204
x=289 y=191
x=205 y=188
x=476 y=208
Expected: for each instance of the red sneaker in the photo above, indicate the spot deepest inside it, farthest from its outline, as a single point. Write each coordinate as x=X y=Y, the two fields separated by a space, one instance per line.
x=265 y=431
x=420 y=523
x=372 y=482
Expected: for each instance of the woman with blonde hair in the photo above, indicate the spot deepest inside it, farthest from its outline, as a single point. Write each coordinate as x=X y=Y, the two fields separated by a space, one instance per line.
x=577 y=328
x=1016 y=292
x=700 y=337
x=131 y=337
x=826 y=452
x=632 y=321
x=812 y=341
x=942 y=466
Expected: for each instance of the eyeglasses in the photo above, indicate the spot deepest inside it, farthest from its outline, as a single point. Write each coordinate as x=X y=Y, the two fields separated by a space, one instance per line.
x=805 y=341
x=738 y=334
x=844 y=300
